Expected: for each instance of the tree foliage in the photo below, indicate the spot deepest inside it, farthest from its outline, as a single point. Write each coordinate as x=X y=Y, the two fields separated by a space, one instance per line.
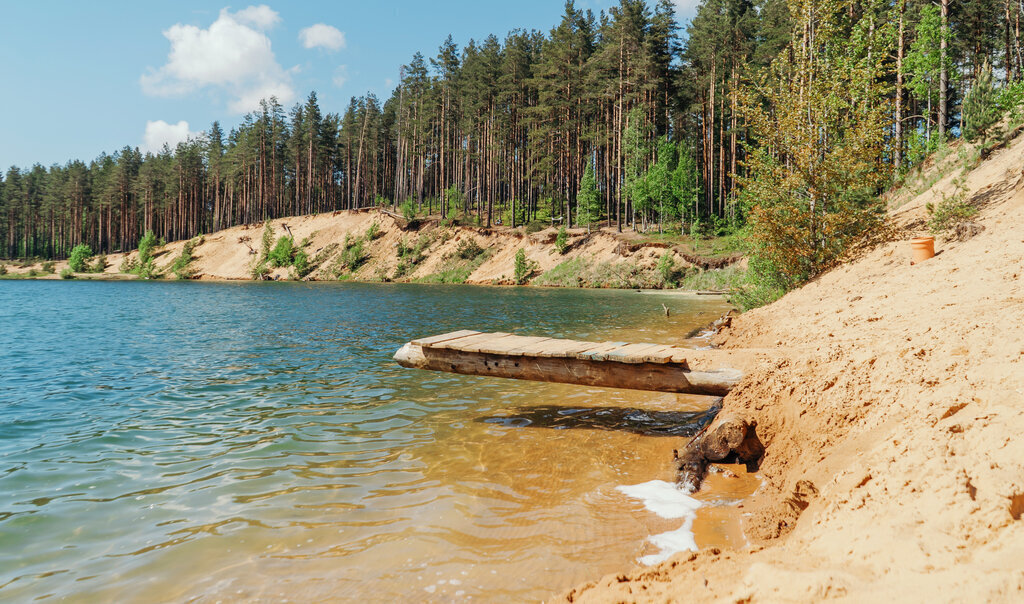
x=819 y=117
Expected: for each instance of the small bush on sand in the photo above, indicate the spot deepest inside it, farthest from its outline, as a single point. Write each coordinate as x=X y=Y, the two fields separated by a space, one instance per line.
x=147 y=244
x=99 y=265
x=562 y=241
x=523 y=267
x=79 y=258
x=283 y=252
x=67 y=273
x=49 y=267
x=468 y=249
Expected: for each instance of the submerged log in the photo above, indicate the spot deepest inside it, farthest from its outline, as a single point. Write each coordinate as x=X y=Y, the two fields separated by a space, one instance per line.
x=727 y=438
x=611 y=365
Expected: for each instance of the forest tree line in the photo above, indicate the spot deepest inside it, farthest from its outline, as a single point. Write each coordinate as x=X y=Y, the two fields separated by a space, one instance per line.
x=659 y=126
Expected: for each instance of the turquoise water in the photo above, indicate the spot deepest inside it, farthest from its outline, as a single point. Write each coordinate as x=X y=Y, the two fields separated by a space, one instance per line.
x=216 y=441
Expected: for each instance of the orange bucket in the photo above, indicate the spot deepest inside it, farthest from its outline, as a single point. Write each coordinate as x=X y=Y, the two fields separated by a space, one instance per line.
x=923 y=248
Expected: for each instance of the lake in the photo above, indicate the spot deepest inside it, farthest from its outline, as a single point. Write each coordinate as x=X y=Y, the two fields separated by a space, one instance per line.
x=219 y=441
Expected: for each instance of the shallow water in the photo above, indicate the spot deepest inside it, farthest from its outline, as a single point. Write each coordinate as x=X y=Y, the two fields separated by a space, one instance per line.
x=215 y=441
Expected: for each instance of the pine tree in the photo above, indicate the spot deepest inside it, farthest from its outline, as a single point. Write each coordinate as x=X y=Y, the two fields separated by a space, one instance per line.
x=588 y=201
x=980 y=108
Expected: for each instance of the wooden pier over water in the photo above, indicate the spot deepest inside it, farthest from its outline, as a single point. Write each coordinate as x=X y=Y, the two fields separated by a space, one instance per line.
x=656 y=367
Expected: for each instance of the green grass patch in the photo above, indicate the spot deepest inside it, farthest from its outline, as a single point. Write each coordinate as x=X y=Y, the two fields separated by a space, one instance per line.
x=724 y=279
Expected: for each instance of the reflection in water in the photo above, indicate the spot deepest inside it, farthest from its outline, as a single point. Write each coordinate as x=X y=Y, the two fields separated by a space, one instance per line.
x=637 y=421
x=180 y=441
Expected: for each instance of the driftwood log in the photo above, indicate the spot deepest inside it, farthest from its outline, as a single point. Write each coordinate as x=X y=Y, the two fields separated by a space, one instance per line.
x=728 y=438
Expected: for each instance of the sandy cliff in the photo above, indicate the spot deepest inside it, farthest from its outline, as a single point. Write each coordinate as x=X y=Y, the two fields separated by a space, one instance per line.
x=893 y=417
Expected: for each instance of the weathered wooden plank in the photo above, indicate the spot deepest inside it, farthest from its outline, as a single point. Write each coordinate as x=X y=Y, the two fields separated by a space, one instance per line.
x=630 y=353
x=462 y=333
x=566 y=348
x=679 y=355
x=468 y=341
x=479 y=344
x=661 y=354
x=533 y=349
x=516 y=345
x=599 y=353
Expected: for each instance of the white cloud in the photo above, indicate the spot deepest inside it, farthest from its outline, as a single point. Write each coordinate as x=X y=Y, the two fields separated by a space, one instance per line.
x=322 y=36
x=160 y=132
x=233 y=55
x=260 y=17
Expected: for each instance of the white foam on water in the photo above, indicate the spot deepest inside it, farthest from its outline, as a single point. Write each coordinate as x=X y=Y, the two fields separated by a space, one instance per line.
x=668 y=501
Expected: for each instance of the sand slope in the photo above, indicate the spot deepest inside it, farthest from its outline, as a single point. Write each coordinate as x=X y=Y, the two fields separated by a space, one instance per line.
x=894 y=423
x=232 y=253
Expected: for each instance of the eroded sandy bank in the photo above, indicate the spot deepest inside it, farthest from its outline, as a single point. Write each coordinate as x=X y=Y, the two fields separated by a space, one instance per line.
x=893 y=417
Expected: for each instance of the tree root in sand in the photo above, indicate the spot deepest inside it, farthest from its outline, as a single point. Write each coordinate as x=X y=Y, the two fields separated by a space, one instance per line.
x=729 y=438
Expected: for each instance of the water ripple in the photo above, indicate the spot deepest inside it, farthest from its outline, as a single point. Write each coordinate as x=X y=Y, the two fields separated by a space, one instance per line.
x=164 y=441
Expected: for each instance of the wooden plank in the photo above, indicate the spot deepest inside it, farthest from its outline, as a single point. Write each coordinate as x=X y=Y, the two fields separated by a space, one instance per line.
x=474 y=345
x=509 y=344
x=565 y=348
x=462 y=333
x=534 y=348
x=630 y=353
x=680 y=355
x=455 y=343
x=599 y=353
x=661 y=354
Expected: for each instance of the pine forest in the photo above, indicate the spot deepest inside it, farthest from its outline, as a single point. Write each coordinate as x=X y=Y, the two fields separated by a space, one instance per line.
x=787 y=117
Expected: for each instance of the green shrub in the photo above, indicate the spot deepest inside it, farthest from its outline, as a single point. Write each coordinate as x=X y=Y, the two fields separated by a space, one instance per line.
x=267 y=241
x=48 y=267
x=453 y=274
x=468 y=249
x=180 y=265
x=128 y=265
x=80 y=255
x=571 y=273
x=763 y=285
x=283 y=252
x=67 y=273
x=668 y=270
x=562 y=241
x=3 y=269
x=302 y=264
x=146 y=246
x=100 y=265
x=523 y=267
x=535 y=226
x=260 y=271
x=33 y=272
x=414 y=255
x=373 y=232
x=148 y=270
x=352 y=256
x=408 y=209
x=948 y=213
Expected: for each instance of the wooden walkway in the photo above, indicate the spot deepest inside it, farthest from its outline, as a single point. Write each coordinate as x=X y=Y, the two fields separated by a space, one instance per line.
x=610 y=364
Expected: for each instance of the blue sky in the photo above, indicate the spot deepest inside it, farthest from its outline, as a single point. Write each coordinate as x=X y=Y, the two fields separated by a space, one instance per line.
x=79 y=78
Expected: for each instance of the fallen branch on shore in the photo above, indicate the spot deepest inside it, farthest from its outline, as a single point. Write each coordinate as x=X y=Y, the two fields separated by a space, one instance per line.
x=728 y=438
